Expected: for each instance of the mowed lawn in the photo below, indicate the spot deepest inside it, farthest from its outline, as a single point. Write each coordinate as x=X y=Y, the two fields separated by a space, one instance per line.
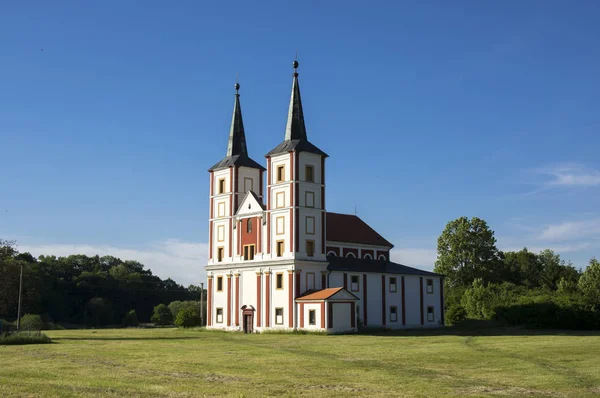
x=185 y=363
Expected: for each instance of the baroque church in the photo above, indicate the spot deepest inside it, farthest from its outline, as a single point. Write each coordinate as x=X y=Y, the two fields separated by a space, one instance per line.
x=279 y=260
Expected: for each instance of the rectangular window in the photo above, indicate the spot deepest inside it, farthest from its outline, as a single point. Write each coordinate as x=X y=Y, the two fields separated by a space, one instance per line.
x=430 y=317
x=280 y=173
x=429 y=286
x=280 y=225
x=280 y=199
x=279 y=248
x=221 y=233
x=393 y=314
x=219 y=283
x=248 y=184
x=248 y=252
x=279 y=281
x=354 y=283
x=219 y=315
x=312 y=317
x=310 y=248
x=393 y=284
x=221 y=185
x=310 y=225
x=279 y=316
x=249 y=226
x=310 y=173
x=310 y=281
x=220 y=252
x=309 y=199
x=221 y=209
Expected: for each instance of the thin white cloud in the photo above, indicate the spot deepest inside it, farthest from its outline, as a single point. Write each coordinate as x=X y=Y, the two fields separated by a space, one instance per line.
x=568 y=174
x=415 y=257
x=571 y=230
x=179 y=260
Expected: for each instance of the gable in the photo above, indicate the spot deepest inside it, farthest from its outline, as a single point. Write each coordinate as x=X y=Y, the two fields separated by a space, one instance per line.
x=250 y=205
x=343 y=294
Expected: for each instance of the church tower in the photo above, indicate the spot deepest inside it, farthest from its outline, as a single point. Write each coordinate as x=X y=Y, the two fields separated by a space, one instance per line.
x=230 y=180
x=295 y=202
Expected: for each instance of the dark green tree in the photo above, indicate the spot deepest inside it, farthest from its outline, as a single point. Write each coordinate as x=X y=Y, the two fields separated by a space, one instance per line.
x=589 y=283
x=162 y=315
x=467 y=251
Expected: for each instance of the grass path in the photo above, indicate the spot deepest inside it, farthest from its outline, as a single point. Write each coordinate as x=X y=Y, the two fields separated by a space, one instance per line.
x=187 y=363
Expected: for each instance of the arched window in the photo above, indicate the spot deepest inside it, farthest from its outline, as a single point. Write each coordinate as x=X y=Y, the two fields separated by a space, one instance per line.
x=249 y=226
x=368 y=257
x=332 y=253
x=382 y=257
x=350 y=254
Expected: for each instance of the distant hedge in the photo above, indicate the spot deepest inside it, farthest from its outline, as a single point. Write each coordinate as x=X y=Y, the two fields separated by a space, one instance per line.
x=24 y=338
x=549 y=315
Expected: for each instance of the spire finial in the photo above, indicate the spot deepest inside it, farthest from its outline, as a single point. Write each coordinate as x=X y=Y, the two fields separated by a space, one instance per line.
x=237 y=84
x=295 y=64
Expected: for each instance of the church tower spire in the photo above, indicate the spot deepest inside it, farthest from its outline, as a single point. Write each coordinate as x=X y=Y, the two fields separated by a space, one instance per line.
x=237 y=137
x=295 y=129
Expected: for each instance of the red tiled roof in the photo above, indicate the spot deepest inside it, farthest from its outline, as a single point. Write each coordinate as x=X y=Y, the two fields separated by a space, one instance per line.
x=351 y=229
x=322 y=294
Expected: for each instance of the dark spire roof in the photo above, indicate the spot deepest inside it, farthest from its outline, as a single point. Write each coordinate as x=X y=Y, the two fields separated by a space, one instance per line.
x=295 y=130
x=237 y=152
x=237 y=138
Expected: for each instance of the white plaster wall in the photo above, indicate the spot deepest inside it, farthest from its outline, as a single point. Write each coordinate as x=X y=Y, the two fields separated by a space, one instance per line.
x=432 y=300
x=278 y=160
x=413 y=301
x=286 y=236
x=312 y=306
x=374 y=300
x=312 y=159
x=394 y=299
x=341 y=318
x=316 y=237
x=217 y=175
x=220 y=300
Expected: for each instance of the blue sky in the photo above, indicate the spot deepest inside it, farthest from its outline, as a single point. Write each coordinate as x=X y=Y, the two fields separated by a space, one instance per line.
x=111 y=113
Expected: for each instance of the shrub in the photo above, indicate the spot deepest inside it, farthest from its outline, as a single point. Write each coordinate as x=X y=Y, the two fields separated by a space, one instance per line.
x=130 y=319
x=162 y=315
x=32 y=322
x=455 y=314
x=188 y=317
x=24 y=338
x=6 y=326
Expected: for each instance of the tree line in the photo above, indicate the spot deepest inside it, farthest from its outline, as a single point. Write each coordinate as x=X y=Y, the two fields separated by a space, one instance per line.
x=514 y=287
x=84 y=290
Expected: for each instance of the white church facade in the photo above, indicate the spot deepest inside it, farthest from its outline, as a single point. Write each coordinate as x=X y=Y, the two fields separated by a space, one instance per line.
x=279 y=260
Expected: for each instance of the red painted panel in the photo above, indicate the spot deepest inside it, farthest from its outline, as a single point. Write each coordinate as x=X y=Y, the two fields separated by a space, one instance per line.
x=386 y=253
x=210 y=240
x=250 y=238
x=209 y=302
x=323 y=314
x=258 y=297
x=336 y=250
x=268 y=299
x=350 y=250
x=323 y=222
x=228 y=300
x=237 y=300
x=291 y=298
x=421 y=299
x=403 y=303
x=297 y=284
x=323 y=280
x=365 y=298
x=230 y=236
x=292 y=222
x=237 y=187
x=353 y=314
x=301 y=315
x=364 y=252
x=383 y=317
x=345 y=281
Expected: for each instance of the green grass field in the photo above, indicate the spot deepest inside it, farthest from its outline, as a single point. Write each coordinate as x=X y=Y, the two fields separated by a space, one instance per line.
x=185 y=363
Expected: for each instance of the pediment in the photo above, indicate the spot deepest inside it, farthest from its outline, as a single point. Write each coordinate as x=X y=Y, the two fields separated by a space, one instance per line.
x=251 y=204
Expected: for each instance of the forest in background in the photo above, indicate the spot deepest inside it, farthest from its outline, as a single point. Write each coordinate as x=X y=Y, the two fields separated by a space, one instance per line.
x=83 y=290
x=517 y=287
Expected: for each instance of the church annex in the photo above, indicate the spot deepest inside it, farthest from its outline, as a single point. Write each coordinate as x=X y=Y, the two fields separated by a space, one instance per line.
x=279 y=260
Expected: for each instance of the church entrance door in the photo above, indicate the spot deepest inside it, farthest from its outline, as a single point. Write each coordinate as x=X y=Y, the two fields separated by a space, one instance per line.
x=248 y=318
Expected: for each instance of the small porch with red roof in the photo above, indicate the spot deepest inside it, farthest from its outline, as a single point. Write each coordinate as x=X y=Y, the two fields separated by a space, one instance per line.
x=332 y=310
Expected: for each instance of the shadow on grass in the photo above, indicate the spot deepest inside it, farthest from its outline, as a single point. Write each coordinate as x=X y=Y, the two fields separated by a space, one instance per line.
x=478 y=328
x=122 y=338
